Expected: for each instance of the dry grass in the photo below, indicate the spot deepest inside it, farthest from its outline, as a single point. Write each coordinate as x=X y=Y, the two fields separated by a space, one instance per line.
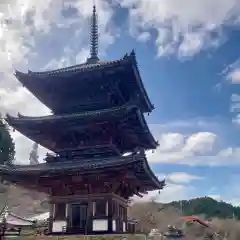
x=23 y=202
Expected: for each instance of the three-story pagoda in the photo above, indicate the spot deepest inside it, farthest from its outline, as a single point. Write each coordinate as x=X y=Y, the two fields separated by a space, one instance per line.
x=98 y=134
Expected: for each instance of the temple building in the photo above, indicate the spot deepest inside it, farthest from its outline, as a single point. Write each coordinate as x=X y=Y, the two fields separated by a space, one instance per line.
x=11 y=224
x=98 y=134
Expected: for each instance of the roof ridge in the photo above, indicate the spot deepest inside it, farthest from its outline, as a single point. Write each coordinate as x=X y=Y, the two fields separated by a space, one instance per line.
x=19 y=217
x=81 y=66
x=86 y=113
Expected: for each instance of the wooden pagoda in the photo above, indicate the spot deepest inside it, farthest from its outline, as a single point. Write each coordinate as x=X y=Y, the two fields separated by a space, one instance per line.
x=98 y=135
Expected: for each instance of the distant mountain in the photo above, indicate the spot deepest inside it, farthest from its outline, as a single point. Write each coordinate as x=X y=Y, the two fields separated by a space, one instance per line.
x=207 y=207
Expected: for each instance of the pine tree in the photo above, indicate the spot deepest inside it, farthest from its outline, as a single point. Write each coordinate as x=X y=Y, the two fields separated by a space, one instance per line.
x=7 y=147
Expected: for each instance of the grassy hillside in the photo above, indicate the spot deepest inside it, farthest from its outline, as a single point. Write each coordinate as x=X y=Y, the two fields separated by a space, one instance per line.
x=207 y=207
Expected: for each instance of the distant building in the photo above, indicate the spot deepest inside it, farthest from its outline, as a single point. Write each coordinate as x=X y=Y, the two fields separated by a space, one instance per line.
x=40 y=217
x=13 y=220
x=33 y=158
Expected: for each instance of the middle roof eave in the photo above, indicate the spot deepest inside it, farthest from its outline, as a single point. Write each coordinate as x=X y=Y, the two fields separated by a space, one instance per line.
x=115 y=112
x=26 y=125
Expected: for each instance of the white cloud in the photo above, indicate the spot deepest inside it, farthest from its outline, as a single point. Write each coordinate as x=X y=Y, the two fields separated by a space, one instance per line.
x=171 y=192
x=234 y=76
x=183 y=27
x=237 y=119
x=178 y=187
x=216 y=197
x=201 y=143
x=144 y=36
x=171 y=142
x=23 y=147
x=196 y=149
x=182 y=177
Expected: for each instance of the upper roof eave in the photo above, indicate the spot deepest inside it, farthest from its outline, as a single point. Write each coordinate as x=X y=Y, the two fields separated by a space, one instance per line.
x=75 y=68
x=128 y=59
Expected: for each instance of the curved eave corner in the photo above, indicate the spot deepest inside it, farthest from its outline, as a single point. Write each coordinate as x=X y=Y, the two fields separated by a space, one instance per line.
x=149 y=105
x=25 y=78
x=5 y=169
x=12 y=120
x=159 y=184
x=21 y=77
x=9 y=119
x=144 y=124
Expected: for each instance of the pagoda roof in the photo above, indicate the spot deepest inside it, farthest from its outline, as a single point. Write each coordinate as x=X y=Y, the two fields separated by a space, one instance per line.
x=53 y=87
x=40 y=129
x=137 y=163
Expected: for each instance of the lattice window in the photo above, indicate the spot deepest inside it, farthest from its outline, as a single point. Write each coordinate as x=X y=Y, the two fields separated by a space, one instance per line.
x=100 y=208
x=59 y=211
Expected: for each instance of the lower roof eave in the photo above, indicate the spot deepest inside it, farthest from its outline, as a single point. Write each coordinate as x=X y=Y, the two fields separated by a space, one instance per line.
x=82 y=165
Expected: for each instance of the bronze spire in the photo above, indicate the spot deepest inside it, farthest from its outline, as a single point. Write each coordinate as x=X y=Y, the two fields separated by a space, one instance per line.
x=94 y=37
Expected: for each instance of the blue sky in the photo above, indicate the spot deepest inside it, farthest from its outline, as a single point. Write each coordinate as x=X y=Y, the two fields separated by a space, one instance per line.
x=189 y=62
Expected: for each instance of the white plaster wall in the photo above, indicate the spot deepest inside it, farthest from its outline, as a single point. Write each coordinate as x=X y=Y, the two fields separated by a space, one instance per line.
x=66 y=212
x=114 y=225
x=124 y=227
x=100 y=225
x=58 y=226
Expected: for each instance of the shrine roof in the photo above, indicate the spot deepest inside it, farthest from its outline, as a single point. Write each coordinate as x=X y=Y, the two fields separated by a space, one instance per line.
x=83 y=167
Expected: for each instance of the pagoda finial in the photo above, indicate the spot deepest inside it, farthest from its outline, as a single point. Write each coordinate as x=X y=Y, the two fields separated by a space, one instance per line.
x=94 y=37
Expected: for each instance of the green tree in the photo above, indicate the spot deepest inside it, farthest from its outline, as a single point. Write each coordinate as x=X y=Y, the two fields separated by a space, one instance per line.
x=207 y=207
x=7 y=147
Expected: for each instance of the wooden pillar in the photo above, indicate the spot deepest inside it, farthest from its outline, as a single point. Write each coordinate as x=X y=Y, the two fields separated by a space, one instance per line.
x=89 y=214
x=68 y=215
x=69 y=218
x=51 y=213
x=110 y=213
x=89 y=223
